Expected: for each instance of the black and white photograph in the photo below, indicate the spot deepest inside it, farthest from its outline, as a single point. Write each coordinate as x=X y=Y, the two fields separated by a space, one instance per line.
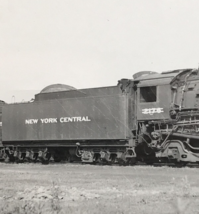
x=99 y=107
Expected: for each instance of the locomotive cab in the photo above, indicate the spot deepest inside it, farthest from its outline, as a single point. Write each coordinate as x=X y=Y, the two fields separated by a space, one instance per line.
x=153 y=99
x=167 y=116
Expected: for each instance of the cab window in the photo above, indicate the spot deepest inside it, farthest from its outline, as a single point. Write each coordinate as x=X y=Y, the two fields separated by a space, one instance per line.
x=148 y=94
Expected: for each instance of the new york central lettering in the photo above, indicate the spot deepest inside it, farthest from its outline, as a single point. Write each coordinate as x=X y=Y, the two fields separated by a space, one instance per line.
x=44 y=120
x=56 y=120
x=49 y=120
x=73 y=119
x=31 y=121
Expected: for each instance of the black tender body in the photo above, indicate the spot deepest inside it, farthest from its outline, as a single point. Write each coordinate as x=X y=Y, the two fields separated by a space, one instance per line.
x=99 y=115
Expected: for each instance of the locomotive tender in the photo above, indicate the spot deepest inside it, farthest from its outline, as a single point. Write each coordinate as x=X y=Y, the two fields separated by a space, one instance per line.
x=153 y=117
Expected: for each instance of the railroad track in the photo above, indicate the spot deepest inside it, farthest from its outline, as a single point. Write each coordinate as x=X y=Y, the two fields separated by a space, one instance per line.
x=51 y=162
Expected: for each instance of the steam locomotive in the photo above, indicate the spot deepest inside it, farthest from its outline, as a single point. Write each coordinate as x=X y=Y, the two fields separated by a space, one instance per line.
x=153 y=117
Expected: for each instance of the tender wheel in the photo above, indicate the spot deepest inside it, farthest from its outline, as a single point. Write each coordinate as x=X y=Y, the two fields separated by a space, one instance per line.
x=46 y=157
x=121 y=162
x=35 y=157
x=57 y=158
x=20 y=157
x=70 y=159
x=131 y=161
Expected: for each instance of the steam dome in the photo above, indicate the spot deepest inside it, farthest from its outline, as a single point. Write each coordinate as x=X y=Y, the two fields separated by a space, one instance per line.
x=57 y=87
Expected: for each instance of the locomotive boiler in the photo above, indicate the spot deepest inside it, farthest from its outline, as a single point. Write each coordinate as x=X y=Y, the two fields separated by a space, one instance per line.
x=151 y=118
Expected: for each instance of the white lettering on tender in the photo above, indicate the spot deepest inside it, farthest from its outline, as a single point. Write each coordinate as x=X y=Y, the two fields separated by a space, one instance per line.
x=54 y=120
x=0 y=123
x=31 y=121
x=49 y=120
x=152 y=111
x=74 y=119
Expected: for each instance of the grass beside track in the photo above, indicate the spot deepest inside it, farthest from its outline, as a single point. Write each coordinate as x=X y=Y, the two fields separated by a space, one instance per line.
x=75 y=188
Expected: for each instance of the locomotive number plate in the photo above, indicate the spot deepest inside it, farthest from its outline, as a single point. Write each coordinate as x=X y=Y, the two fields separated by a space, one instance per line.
x=152 y=111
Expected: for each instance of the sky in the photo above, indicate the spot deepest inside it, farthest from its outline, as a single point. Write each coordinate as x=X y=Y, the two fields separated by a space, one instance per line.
x=92 y=43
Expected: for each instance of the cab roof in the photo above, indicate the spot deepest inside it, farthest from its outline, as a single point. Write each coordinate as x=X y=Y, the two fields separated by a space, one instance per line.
x=167 y=74
x=160 y=78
